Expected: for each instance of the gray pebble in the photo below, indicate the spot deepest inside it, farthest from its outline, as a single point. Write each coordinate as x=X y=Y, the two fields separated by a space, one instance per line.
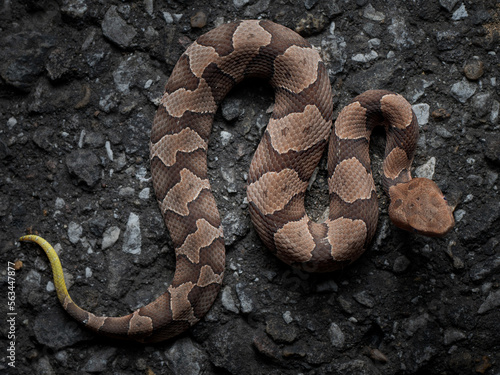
x=132 y=239
x=231 y=109
x=463 y=90
x=364 y=299
x=491 y=302
x=245 y=298
x=184 y=357
x=452 y=335
x=99 y=360
x=422 y=112
x=337 y=337
x=75 y=231
x=448 y=4
x=280 y=331
x=110 y=237
x=117 y=29
x=85 y=165
x=460 y=13
x=401 y=263
x=426 y=170
x=372 y=14
x=227 y=300
x=481 y=103
x=240 y=3
x=44 y=367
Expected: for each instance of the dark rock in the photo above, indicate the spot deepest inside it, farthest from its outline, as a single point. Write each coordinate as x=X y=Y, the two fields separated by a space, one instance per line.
x=492 y=148
x=376 y=76
x=74 y=8
x=85 y=165
x=117 y=29
x=5 y=152
x=60 y=64
x=43 y=138
x=447 y=40
x=99 y=360
x=23 y=57
x=266 y=347
x=280 y=331
x=55 y=329
x=309 y=4
x=231 y=341
x=184 y=357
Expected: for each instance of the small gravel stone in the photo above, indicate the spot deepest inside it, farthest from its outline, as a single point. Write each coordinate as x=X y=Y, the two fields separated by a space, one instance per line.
x=60 y=203
x=199 y=20
x=184 y=357
x=401 y=264
x=225 y=137
x=370 y=13
x=364 y=299
x=280 y=331
x=337 y=337
x=309 y=4
x=459 y=215
x=85 y=165
x=144 y=193
x=452 y=335
x=99 y=360
x=447 y=40
x=44 y=367
x=474 y=69
x=228 y=301
x=365 y=57
x=232 y=109
x=443 y=132
x=11 y=122
x=426 y=170
x=492 y=149
x=327 y=286
x=75 y=231
x=117 y=29
x=448 y=4
x=132 y=239
x=481 y=103
x=491 y=302
x=110 y=236
x=287 y=317
x=460 y=13
x=244 y=295
x=422 y=112
x=240 y=3
x=463 y=90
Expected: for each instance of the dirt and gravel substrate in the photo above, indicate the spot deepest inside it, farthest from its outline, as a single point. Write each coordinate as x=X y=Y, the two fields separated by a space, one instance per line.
x=80 y=83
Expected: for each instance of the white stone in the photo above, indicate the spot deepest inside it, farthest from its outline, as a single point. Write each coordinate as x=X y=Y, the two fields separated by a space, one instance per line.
x=422 y=112
x=426 y=170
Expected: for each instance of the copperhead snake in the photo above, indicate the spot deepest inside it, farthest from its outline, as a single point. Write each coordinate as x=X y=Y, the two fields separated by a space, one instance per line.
x=284 y=161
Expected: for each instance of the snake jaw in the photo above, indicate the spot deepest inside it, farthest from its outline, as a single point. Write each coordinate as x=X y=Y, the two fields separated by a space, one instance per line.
x=419 y=205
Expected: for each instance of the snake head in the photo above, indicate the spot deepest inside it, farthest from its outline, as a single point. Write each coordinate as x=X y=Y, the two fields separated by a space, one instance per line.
x=419 y=206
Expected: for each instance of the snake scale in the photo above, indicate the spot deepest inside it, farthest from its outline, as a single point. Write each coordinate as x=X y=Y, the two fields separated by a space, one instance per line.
x=289 y=151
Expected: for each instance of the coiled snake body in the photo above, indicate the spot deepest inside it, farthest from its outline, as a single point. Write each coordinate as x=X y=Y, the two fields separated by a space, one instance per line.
x=282 y=166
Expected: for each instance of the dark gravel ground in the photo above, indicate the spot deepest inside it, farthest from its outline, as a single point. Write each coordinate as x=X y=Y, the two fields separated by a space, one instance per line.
x=79 y=84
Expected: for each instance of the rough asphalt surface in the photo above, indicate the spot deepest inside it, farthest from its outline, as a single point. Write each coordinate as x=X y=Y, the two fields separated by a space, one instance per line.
x=80 y=81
